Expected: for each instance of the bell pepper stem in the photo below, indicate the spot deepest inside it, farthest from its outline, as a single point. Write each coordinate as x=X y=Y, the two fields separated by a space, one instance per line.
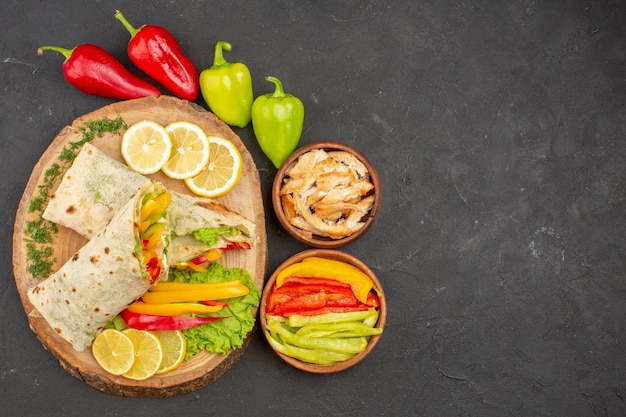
x=279 y=92
x=219 y=59
x=67 y=53
x=133 y=30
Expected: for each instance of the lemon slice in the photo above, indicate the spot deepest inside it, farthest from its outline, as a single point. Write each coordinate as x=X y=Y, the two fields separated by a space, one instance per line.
x=146 y=147
x=221 y=173
x=113 y=351
x=174 y=345
x=190 y=150
x=148 y=354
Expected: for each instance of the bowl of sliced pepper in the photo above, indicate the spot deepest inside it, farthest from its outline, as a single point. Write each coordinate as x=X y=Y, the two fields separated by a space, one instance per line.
x=326 y=194
x=323 y=311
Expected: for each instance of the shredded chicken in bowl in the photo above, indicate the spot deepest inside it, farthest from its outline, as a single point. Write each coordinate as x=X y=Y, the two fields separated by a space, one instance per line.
x=327 y=194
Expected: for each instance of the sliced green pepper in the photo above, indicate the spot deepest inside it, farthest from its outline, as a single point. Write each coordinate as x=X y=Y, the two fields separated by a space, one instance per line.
x=316 y=356
x=227 y=88
x=297 y=320
x=277 y=119
x=347 y=329
x=339 y=345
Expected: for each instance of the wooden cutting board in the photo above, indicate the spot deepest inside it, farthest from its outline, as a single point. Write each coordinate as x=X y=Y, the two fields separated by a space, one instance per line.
x=245 y=199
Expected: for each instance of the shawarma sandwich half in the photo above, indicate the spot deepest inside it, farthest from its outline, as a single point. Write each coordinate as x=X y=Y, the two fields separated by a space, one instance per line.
x=96 y=186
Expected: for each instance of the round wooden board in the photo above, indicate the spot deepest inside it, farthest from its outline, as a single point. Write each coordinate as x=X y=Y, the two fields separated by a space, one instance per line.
x=245 y=199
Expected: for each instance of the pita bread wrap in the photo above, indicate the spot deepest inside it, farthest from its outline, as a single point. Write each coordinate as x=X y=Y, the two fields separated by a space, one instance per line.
x=101 y=278
x=93 y=190
x=96 y=186
x=193 y=218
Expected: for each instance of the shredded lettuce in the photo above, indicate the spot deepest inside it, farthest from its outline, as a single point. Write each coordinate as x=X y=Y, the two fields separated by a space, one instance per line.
x=224 y=335
x=211 y=235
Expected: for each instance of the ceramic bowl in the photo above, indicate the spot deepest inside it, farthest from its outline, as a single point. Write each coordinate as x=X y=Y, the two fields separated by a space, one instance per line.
x=316 y=240
x=335 y=255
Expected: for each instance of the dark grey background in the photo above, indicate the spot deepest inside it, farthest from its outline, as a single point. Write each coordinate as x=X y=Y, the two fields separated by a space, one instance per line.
x=498 y=131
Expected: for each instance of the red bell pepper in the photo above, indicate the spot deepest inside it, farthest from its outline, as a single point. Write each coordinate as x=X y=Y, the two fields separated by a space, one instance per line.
x=310 y=296
x=295 y=291
x=199 y=260
x=237 y=245
x=324 y=310
x=162 y=323
x=153 y=269
x=314 y=281
x=315 y=301
x=214 y=303
x=373 y=300
x=156 y=52
x=93 y=70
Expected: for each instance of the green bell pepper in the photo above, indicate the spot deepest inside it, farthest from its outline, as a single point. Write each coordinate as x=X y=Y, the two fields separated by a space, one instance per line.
x=227 y=88
x=316 y=356
x=277 y=119
x=339 y=345
x=332 y=330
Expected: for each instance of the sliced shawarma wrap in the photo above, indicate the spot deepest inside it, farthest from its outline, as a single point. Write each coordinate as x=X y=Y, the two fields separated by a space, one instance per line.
x=96 y=186
x=199 y=225
x=111 y=271
x=93 y=189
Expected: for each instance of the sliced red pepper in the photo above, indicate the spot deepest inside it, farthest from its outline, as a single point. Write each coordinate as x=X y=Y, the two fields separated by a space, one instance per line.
x=271 y=300
x=314 y=281
x=296 y=290
x=237 y=245
x=323 y=310
x=214 y=303
x=373 y=300
x=314 y=301
x=295 y=297
x=309 y=296
x=304 y=302
x=153 y=268
x=199 y=260
x=154 y=272
x=162 y=323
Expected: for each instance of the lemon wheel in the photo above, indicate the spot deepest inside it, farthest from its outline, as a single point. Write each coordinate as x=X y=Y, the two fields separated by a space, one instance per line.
x=148 y=354
x=190 y=150
x=113 y=351
x=221 y=173
x=146 y=147
x=174 y=346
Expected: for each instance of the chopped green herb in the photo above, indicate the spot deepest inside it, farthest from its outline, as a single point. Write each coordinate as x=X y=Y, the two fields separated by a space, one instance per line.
x=40 y=232
x=40 y=259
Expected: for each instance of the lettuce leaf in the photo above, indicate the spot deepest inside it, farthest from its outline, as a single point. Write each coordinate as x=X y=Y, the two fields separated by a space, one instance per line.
x=211 y=235
x=230 y=333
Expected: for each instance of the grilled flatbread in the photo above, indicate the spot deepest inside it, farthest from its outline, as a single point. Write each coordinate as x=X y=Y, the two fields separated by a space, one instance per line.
x=95 y=187
x=100 y=279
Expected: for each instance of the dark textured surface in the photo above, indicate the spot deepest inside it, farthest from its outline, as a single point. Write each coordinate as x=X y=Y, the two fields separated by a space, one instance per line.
x=498 y=131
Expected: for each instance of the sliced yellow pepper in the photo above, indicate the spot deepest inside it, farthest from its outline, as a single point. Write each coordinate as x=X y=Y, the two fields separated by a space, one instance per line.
x=149 y=221
x=148 y=208
x=163 y=200
x=183 y=286
x=147 y=256
x=192 y=266
x=316 y=267
x=155 y=205
x=213 y=255
x=209 y=257
x=153 y=235
x=172 y=309
x=162 y=297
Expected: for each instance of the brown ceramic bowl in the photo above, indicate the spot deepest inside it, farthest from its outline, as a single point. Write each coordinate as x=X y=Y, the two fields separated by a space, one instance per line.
x=315 y=240
x=335 y=255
